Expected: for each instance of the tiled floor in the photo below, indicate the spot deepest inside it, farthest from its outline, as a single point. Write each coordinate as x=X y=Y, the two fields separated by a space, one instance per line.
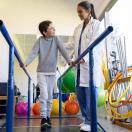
x=61 y=125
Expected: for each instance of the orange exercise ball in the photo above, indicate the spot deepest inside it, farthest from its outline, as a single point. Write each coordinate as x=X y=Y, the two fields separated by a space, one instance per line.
x=71 y=107
x=36 y=108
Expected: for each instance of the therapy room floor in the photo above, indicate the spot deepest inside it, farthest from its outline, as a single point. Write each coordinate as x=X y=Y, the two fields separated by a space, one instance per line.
x=59 y=125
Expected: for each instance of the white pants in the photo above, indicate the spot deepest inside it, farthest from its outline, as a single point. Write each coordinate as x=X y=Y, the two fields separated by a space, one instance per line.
x=46 y=84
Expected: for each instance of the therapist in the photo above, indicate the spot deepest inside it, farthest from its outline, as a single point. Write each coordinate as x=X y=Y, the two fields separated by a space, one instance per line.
x=84 y=34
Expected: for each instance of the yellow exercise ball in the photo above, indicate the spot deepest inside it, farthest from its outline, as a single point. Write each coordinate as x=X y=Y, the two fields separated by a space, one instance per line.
x=55 y=107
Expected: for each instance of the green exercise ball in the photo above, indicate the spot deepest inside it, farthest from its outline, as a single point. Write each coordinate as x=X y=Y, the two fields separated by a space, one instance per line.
x=68 y=80
x=64 y=89
x=101 y=95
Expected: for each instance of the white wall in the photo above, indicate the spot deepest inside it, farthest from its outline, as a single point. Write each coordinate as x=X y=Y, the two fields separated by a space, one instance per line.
x=121 y=18
x=4 y=56
x=23 y=16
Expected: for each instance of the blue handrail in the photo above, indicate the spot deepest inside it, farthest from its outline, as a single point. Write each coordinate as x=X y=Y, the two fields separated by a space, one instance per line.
x=94 y=44
x=10 y=102
x=91 y=82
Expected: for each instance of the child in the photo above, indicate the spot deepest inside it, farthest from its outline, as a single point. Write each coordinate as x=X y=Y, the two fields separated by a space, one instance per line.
x=46 y=47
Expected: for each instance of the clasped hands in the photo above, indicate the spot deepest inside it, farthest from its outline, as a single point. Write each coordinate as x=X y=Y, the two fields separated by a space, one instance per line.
x=74 y=63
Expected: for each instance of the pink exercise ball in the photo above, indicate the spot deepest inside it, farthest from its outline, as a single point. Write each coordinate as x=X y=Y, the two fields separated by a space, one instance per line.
x=21 y=108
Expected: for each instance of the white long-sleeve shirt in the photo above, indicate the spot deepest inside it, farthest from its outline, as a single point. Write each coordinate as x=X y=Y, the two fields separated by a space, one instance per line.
x=90 y=33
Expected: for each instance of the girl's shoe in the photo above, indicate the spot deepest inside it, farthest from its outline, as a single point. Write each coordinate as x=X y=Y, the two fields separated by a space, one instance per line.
x=44 y=124
x=49 y=122
x=85 y=128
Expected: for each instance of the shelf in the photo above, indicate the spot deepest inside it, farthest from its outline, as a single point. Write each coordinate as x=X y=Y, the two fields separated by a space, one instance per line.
x=4 y=105
x=5 y=97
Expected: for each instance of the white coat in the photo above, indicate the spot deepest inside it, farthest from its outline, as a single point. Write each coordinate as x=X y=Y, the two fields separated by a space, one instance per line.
x=90 y=33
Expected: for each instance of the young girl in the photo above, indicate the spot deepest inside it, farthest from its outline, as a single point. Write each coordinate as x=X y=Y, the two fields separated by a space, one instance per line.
x=46 y=47
x=84 y=34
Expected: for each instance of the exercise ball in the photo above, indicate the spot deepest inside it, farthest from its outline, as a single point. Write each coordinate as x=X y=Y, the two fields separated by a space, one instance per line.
x=64 y=89
x=71 y=107
x=72 y=96
x=68 y=80
x=36 y=108
x=55 y=107
x=21 y=108
x=101 y=95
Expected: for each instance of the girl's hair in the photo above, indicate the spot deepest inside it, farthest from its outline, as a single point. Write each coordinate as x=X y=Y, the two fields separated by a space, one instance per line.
x=86 y=5
x=43 y=26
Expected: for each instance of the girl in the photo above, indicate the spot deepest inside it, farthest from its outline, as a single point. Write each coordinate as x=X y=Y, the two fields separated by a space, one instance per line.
x=84 y=34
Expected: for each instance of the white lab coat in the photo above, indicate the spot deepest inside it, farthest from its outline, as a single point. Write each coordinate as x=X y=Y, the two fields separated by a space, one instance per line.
x=90 y=33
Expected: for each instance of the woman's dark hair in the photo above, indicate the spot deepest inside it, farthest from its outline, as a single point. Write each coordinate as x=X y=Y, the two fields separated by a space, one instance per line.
x=43 y=26
x=86 y=5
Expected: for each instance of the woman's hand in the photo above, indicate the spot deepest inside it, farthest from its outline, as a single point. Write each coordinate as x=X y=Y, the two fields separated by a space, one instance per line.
x=25 y=65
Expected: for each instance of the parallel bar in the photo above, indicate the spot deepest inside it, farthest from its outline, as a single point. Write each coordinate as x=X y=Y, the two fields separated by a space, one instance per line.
x=60 y=98
x=91 y=81
x=94 y=44
x=33 y=93
x=10 y=101
x=101 y=127
x=60 y=93
x=92 y=95
x=29 y=85
x=13 y=51
x=92 y=92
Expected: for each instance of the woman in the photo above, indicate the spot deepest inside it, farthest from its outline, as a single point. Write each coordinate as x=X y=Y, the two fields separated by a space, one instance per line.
x=84 y=34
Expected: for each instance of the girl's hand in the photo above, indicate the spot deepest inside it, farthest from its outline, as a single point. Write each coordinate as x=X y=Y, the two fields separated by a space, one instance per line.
x=72 y=63
x=82 y=61
x=23 y=65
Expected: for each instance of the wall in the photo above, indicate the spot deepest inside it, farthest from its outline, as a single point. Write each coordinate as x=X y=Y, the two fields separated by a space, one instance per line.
x=121 y=18
x=23 y=16
x=4 y=57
